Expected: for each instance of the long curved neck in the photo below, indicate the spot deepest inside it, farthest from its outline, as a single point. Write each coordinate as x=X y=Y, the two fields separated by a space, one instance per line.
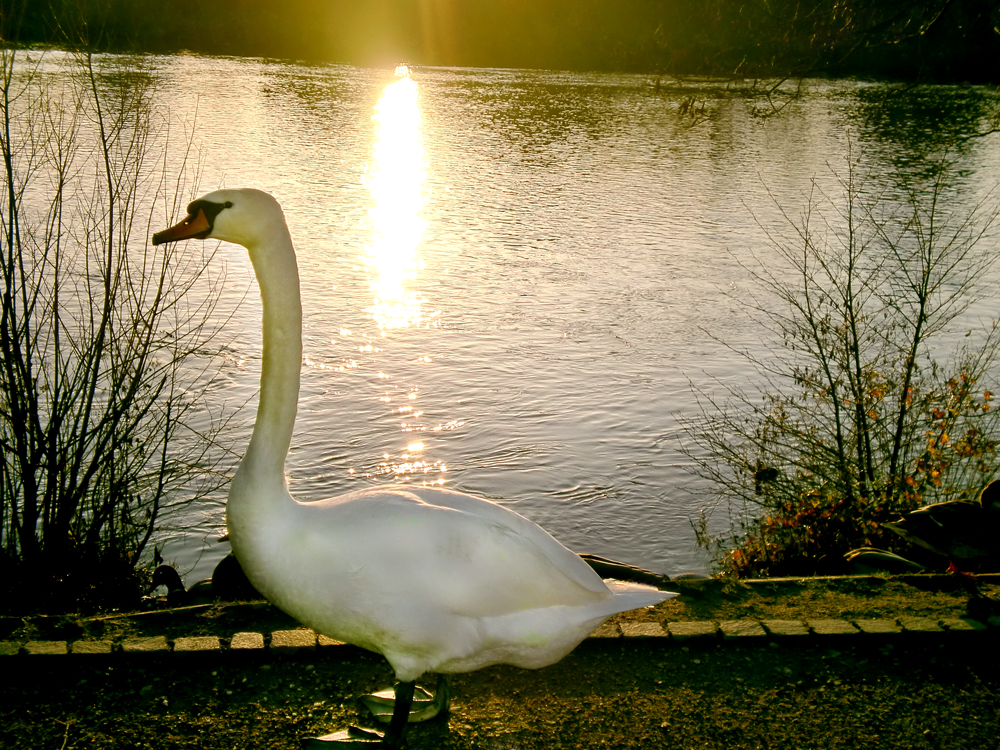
x=278 y=277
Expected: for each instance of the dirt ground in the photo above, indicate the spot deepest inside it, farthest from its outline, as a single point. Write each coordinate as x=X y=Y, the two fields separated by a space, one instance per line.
x=907 y=691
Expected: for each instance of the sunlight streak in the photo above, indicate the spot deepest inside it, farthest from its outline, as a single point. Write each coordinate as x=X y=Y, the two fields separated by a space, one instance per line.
x=395 y=179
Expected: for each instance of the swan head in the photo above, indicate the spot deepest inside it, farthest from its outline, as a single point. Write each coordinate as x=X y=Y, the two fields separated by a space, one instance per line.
x=244 y=217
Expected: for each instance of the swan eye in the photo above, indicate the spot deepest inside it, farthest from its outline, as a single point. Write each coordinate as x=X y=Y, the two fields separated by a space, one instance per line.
x=208 y=210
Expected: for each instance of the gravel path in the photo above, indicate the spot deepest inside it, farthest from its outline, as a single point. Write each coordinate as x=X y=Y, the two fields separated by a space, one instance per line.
x=913 y=692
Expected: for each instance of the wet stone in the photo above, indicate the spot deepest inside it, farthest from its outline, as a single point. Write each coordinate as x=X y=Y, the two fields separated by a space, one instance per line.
x=785 y=627
x=292 y=640
x=92 y=647
x=145 y=645
x=247 y=641
x=325 y=640
x=196 y=643
x=607 y=630
x=877 y=627
x=46 y=648
x=919 y=625
x=643 y=630
x=684 y=630
x=741 y=629
x=831 y=627
x=962 y=624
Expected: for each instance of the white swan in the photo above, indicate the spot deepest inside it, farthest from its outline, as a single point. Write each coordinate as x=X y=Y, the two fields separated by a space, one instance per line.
x=436 y=581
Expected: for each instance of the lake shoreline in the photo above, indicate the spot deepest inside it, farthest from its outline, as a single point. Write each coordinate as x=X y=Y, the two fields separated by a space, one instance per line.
x=709 y=600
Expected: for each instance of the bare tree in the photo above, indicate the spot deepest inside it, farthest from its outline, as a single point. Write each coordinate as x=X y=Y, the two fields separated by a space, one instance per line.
x=854 y=420
x=96 y=333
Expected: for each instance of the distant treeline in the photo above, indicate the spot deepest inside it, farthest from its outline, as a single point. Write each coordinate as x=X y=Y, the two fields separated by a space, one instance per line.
x=908 y=39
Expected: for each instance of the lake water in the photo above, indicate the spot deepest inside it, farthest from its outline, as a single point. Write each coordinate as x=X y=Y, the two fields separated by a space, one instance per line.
x=511 y=278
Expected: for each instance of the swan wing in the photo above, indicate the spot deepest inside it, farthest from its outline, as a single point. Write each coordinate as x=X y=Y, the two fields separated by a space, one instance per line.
x=446 y=552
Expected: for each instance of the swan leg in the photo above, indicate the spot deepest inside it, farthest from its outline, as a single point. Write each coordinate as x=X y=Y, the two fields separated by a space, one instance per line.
x=425 y=705
x=400 y=716
x=357 y=737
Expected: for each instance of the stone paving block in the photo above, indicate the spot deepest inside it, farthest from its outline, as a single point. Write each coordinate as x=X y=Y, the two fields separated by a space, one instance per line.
x=741 y=629
x=46 y=648
x=920 y=624
x=746 y=630
x=247 y=642
x=155 y=644
x=643 y=630
x=607 y=630
x=325 y=640
x=831 y=627
x=292 y=640
x=197 y=643
x=91 y=647
x=877 y=627
x=962 y=624
x=785 y=627
x=684 y=630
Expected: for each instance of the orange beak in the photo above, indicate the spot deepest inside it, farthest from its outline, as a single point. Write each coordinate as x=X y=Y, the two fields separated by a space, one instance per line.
x=192 y=226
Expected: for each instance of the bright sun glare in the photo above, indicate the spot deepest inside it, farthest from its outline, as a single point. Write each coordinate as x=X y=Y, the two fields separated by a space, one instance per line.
x=395 y=179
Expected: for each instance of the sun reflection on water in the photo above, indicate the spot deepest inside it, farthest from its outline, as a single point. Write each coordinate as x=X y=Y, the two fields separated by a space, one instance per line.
x=395 y=179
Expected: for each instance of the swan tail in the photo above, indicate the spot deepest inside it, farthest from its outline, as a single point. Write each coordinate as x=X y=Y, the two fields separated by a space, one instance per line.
x=635 y=595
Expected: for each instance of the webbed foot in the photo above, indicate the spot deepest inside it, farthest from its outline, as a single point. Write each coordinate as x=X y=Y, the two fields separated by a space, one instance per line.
x=350 y=737
x=357 y=737
x=425 y=704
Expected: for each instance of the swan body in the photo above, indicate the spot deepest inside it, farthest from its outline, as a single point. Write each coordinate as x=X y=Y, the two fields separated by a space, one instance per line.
x=435 y=580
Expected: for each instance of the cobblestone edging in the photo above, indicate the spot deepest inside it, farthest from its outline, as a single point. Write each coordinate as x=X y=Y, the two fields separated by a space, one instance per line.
x=732 y=631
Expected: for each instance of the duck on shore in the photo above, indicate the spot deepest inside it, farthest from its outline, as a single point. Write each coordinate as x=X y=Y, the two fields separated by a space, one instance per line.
x=965 y=532
x=228 y=583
